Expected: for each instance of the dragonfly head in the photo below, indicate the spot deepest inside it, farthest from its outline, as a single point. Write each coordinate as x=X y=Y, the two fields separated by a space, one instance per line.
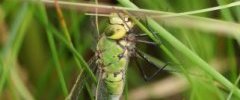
x=120 y=24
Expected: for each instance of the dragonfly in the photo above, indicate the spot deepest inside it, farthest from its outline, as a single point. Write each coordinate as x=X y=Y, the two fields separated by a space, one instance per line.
x=115 y=47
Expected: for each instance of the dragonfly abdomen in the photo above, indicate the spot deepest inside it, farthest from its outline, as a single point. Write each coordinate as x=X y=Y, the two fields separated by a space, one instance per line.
x=113 y=61
x=114 y=83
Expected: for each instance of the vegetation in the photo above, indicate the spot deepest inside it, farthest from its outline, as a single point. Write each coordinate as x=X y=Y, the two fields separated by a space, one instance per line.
x=43 y=48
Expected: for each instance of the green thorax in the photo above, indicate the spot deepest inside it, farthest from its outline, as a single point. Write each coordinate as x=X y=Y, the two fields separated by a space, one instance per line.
x=111 y=55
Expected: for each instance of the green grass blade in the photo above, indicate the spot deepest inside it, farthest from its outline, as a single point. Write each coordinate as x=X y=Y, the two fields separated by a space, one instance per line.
x=11 y=50
x=226 y=14
x=221 y=7
x=231 y=93
x=56 y=62
x=54 y=52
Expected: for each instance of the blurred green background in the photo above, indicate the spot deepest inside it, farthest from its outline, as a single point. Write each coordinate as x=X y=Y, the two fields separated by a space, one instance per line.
x=35 y=63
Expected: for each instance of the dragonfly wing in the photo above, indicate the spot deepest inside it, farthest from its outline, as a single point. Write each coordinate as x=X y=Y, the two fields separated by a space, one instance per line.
x=77 y=88
x=82 y=80
x=101 y=90
x=95 y=35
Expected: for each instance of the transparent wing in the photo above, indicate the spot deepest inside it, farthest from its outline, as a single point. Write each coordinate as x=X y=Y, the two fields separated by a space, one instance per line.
x=101 y=90
x=82 y=80
x=77 y=88
x=94 y=32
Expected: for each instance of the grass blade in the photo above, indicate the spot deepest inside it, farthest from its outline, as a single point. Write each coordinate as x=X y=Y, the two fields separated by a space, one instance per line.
x=11 y=50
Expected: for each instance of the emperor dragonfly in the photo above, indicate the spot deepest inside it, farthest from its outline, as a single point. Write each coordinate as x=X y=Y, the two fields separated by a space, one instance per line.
x=114 y=49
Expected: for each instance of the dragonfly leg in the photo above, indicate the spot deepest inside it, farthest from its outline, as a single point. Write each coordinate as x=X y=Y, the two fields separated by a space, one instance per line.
x=143 y=34
x=146 y=42
x=138 y=40
x=147 y=78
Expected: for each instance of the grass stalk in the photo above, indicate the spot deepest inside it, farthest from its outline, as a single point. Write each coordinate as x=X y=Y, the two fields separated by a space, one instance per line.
x=231 y=92
x=54 y=53
x=226 y=14
x=221 y=7
x=62 y=21
x=200 y=23
x=56 y=62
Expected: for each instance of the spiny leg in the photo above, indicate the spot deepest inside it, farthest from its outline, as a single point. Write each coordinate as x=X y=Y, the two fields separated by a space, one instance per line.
x=141 y=35
x=141 y=70
x=144 y=35
x=138 y=40
x=146 y=42
x=147 y=78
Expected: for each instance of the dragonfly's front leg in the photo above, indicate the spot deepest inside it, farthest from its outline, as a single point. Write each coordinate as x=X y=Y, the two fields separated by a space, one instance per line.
x=146 y=42
x=138 y=40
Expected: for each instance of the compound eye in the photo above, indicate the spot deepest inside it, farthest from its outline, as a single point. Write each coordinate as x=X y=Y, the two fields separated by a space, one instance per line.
x=115 y=32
